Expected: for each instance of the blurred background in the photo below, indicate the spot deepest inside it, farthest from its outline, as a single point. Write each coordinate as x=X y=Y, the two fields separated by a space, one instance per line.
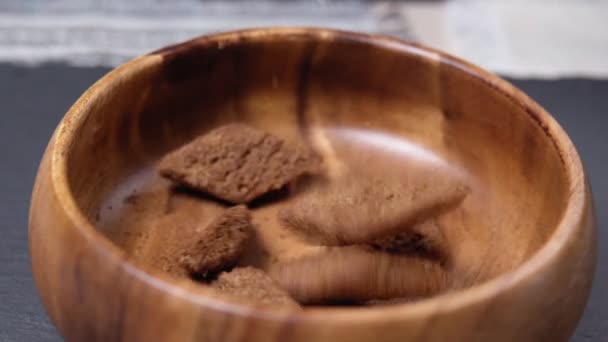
x=51 y=51
x=524 y=38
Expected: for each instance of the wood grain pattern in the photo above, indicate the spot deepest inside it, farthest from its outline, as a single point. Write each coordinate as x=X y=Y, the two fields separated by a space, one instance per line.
x=523 y=242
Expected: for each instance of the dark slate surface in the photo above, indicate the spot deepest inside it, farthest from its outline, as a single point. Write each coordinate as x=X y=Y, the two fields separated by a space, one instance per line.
x=33 y=101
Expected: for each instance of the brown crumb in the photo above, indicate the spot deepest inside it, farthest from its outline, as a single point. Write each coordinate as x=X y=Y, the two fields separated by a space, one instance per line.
x=220 y=244
x=363 y=207
x=253 y=285
x=355 y=274
x=238 y=163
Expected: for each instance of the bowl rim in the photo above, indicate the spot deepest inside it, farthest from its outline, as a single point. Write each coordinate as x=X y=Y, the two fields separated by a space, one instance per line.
x=566 y=230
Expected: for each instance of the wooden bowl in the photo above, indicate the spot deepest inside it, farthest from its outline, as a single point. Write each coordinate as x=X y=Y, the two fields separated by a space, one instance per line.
x=522 y=243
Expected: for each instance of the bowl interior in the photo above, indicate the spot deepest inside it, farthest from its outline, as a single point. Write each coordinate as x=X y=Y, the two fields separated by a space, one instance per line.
x=341 y=93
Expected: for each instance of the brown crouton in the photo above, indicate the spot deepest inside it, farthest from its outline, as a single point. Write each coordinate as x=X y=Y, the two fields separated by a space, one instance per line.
x=361 y=208
x=253 y=285
x=191 y=240
x=238 y=163
x=357 y=274
x=220 y=244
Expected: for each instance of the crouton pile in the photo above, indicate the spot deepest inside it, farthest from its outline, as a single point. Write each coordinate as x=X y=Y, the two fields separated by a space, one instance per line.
x=377 y=232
